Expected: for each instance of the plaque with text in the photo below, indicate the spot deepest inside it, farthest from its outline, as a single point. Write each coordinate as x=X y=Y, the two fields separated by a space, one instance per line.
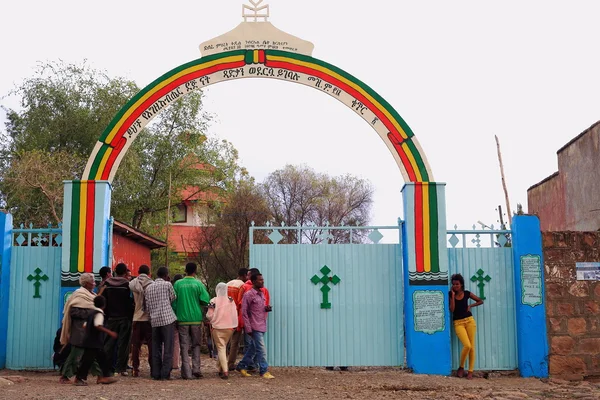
x=531 y=280
x=429 y=312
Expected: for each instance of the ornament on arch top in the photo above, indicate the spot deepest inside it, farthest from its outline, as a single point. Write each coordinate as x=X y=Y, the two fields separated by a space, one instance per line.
x=256 y=32
x=256 y=11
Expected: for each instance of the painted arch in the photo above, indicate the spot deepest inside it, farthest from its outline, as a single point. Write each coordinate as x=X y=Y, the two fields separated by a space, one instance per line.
x=293 y=67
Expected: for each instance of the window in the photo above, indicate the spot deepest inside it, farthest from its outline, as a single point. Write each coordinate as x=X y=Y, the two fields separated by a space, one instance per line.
x=179 y=213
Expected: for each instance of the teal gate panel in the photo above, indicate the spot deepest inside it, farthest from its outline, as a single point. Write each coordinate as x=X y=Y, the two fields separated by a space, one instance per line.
x=364 y=324
x=487 y=267
x=34 y=296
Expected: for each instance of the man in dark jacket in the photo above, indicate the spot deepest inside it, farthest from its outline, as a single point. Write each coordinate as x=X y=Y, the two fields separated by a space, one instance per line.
x=119 y=314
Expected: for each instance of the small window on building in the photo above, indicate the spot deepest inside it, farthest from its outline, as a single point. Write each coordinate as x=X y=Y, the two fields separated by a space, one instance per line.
x=179 y=213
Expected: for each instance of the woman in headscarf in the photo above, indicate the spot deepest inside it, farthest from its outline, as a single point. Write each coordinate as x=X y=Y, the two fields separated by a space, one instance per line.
x=222 y=314
x=76 y=312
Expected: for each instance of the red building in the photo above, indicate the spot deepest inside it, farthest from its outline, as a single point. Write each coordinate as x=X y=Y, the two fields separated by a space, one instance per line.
x=132 y=247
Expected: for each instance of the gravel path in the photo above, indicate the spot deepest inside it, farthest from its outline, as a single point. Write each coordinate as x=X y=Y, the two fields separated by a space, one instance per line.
x=298 y=383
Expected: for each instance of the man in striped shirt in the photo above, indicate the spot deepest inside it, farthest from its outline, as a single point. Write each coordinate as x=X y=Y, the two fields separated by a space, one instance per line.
x=159 y=296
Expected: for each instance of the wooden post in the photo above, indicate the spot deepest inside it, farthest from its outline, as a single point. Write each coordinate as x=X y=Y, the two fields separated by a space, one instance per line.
x=168 y=224
x=503 y=180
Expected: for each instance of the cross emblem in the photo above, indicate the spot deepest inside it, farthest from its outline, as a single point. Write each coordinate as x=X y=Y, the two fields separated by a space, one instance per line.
x=478 y=277
x=325 y=280
x=37 y=278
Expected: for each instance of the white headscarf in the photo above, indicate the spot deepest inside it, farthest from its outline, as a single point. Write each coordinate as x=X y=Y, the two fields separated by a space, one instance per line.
x=221 y=289
x=223 y=314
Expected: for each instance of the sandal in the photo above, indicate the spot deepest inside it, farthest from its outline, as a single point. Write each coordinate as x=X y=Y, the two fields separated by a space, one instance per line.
x=470 y=375
x=80 y=382
x=460 y=372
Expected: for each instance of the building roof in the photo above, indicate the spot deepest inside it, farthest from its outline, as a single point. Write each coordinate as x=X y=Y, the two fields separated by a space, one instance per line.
x=130 y=232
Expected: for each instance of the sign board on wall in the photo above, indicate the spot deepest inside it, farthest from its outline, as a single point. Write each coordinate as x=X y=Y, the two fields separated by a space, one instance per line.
x=531 y=280
x=588 y=271
x=429 y=311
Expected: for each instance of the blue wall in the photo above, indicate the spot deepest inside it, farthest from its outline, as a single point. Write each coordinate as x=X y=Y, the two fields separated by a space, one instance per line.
x=5 y=242
x=532 y=338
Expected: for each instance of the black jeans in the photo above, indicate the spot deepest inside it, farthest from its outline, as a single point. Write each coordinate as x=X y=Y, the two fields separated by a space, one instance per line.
x=89 y=355
x=141 y=331
x=122 y=326
x=162 y=363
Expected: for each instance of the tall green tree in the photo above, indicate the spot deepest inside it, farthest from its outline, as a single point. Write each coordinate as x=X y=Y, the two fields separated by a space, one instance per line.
x=63 y=110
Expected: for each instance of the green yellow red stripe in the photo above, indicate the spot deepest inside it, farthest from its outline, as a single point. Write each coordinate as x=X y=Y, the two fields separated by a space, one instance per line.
x=82 y=225
x=89 y=226
x=75 y=221
x=434 y=226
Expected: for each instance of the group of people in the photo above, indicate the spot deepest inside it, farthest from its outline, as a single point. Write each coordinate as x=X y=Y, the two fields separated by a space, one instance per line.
x=100 y=330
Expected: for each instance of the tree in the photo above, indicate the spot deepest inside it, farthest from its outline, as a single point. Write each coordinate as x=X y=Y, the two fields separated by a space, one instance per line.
x=173 y=149
x=223 y=248
x=33 y=184
x=297 y=194
x=64 y=108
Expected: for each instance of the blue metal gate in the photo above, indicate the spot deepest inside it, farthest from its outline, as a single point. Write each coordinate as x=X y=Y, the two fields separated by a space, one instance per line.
x=34 y=297
x=333 y=304
x=485 y=260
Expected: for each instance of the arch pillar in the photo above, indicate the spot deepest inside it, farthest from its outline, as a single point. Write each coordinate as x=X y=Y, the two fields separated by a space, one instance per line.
x=86 y=230
x=425 y=261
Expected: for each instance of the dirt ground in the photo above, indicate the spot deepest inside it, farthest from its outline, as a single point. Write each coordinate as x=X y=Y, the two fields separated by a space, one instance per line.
x=299 y=383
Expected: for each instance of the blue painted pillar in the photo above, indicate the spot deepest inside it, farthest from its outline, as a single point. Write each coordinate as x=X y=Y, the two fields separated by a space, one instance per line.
x=86 y=230
x=532 y=338
x=425 y=257
x=5 y=247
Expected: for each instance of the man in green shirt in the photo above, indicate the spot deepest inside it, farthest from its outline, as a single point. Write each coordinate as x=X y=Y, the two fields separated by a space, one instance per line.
x=191 y=297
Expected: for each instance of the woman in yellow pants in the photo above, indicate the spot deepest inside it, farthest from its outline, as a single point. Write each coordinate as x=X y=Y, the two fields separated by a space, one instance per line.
x=464 y=323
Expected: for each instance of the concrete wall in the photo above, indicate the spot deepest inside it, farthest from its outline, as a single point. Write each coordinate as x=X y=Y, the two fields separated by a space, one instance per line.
x=573 y=307
x=569 y=200
x=547 y=201
x=579 y=165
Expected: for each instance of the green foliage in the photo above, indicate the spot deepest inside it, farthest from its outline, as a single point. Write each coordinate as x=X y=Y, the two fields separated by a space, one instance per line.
x=172 y=160
x=64 y=109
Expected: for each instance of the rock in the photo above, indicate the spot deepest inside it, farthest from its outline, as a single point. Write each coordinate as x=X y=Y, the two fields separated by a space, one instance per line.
x=562 y=345
x=577 y=326
x=589 y=346
x=579 y=289
x=6 y=382
x=15 y=378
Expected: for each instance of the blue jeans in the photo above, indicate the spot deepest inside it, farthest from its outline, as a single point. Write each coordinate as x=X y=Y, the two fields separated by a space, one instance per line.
x=257 y=351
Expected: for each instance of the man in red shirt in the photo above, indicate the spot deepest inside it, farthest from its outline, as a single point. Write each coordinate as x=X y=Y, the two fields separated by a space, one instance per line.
x=233 y=289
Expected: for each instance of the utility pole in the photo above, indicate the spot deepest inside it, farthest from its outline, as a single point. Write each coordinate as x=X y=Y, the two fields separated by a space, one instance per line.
x=501 y=219
x=168 y=224
x=503 y=181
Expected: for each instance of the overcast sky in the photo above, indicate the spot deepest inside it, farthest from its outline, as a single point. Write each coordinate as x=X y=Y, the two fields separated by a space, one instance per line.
x=458 y=72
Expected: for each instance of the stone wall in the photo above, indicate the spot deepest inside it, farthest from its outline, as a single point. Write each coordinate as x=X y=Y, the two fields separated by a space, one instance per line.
x=572 y=306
